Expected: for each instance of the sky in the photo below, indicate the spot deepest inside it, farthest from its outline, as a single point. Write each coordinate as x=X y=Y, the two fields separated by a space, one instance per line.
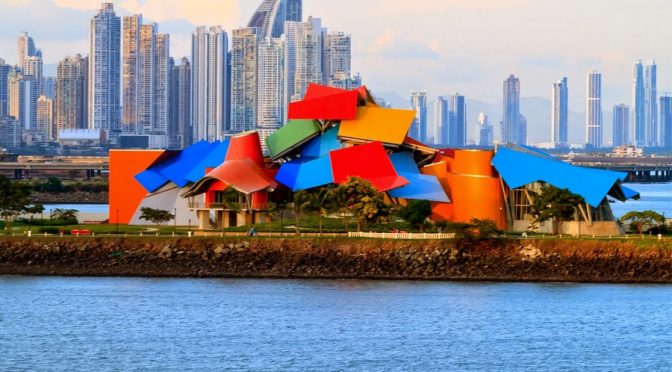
x=439 y=46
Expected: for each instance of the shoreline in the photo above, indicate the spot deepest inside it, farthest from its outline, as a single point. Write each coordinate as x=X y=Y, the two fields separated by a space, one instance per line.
x=613 y=262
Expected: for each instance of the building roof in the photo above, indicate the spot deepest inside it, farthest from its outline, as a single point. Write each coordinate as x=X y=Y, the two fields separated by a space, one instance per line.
x=298 y=175
x=389 y=126
x=325 y=104
x=322 y=145
x=368 y=161
x=421 y=187
x=520 y=166
x=291 y=136
x=243 y=175
x=174 y=168
x=210 y=161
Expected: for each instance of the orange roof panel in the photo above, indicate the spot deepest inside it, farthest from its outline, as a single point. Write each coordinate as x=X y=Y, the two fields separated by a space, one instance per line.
x=378 y=124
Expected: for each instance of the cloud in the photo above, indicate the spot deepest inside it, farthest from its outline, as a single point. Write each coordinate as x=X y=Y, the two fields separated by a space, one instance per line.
x=391 y=45
x=198 y=12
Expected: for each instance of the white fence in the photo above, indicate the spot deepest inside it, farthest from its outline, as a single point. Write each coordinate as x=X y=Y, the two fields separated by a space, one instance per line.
x=372 y=235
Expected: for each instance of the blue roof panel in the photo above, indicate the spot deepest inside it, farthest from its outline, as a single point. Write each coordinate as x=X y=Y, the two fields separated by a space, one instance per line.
x=404 y=162
x=421 y=187
x=322 y=145
x=185 y=162
x=519 y=168
x=288 y=173
x=314 y=173
x=151 y=180
x=213 y=159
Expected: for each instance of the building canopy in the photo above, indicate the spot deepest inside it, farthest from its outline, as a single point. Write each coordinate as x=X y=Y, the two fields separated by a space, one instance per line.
x=520 y=166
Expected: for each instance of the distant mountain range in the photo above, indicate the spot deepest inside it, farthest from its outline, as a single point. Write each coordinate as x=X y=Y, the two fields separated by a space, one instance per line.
x=537 y=110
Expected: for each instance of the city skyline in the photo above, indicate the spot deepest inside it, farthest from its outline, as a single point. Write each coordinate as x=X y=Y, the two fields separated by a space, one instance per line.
x=439 y=69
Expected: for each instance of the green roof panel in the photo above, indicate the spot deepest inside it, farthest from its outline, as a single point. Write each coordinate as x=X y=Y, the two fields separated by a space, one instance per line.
x=294 y=134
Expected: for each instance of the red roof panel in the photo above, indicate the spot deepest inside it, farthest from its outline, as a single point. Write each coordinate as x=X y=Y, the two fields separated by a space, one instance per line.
x=368 y=161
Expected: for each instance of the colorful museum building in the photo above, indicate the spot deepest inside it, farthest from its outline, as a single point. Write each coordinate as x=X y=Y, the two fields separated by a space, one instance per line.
x=335 y=134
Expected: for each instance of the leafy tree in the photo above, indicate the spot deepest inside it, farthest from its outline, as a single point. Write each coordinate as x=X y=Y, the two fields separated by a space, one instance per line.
x=324 y=202
x=303 y=201
x=484 y=228
x=557 y=205
x=363 y=200
x=155 y=216
x=66 y=216
x=14 y=200
x=640 y=220
x=416 y=213
x=53 y=185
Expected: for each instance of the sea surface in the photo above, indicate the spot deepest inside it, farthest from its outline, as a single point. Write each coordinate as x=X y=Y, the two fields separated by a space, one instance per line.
x=108 y=324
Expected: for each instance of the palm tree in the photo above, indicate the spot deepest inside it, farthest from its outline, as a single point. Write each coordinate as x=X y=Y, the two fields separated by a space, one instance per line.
x=302 y=201
x=324 y=202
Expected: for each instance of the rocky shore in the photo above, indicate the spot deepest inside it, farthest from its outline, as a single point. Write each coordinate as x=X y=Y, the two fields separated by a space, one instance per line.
x=505 y=260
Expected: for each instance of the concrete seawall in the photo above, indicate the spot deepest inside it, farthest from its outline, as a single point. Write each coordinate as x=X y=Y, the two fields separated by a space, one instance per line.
x=505 y=260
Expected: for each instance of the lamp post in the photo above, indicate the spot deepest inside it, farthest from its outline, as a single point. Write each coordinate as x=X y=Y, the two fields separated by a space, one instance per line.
x=117 y=222
x=175 y=220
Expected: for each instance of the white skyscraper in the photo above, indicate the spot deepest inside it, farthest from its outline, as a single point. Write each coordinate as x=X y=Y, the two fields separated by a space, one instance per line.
x=210 y=89
x=338 y=60
x=559 y=114
x=45 y=118
x=594 y=110
x=419 y=127
x=485 y=131
x=309 y=53
x=651 y=104
x=270 y=98
x=244 y=79
x=23 y=92
x=440 y=131
x=105 y=70
x=25 y=48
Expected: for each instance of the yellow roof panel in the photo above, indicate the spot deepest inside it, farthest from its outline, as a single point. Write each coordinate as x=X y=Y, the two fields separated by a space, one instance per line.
x=378 y=124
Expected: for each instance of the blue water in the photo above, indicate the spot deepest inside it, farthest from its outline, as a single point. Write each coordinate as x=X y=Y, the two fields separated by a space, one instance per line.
x=654 y=196
x=161 y=324
x=82 y=208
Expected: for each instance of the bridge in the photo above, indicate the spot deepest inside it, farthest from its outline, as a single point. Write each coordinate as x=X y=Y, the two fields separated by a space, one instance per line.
x=23 y=168
x=650 y=169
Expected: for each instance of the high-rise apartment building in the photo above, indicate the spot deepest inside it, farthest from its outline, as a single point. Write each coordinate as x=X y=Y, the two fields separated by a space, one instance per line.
x=638 y=105
x=244 y=78
x=71 y=95
x=522 y=130
x=23 y=92
x=338 y=60
x=4 y=79
x=594 y=110
x=270 y=96
x=269 y=19
x=105 y=71
x=145 y=78
x=25 y=48
x=458 y=121
x=10 y=133
x=309 y=49
x=49 y=86
x=511 y=122
x=179 y=128
x=440 y=131
x=621 y=125
x=666 y=122
x=645 y=104
x=45 y=118
x=485 y=131
x=560 y=114
x=294 y=11
x=651 y=104
x=33 y=66
x=210 y=84
x=419 y=105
